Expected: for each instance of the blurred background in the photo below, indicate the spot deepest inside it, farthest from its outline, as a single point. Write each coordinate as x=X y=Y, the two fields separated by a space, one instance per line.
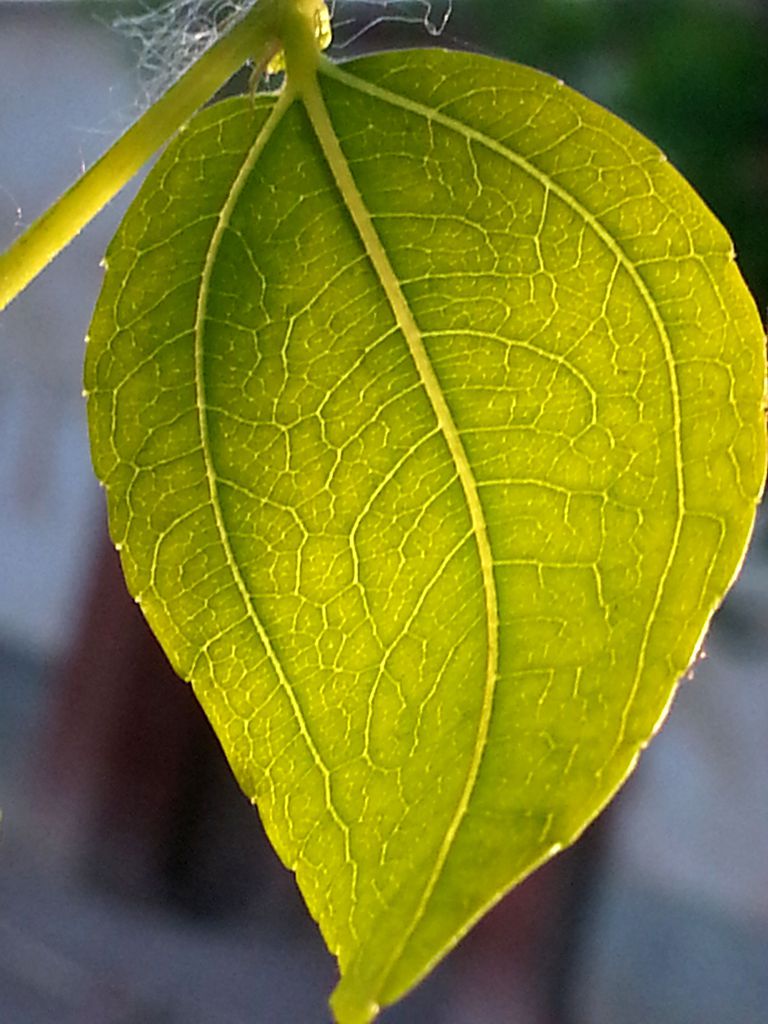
x=135 y=882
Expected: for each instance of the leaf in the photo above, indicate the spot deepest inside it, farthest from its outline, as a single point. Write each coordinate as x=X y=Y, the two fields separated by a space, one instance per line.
x=429 y=405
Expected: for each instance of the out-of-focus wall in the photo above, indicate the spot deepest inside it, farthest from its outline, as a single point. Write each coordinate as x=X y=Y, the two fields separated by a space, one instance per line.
x=67 y=90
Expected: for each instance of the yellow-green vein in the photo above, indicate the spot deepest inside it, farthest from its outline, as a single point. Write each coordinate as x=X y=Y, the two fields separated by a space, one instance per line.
x=252 y=156
x=326 y=135
x=613 y=245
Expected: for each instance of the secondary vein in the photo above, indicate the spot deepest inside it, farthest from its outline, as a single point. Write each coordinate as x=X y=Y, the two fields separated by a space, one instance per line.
x=614 y=246
x=225 y=215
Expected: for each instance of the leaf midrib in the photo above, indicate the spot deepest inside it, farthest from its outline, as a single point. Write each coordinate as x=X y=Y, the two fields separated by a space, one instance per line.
x=319 y=118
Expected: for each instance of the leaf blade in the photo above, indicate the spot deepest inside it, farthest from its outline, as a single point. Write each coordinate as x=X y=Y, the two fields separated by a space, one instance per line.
x=468 y=287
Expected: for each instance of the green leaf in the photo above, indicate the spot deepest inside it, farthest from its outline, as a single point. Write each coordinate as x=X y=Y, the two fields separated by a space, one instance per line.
x=428 y=399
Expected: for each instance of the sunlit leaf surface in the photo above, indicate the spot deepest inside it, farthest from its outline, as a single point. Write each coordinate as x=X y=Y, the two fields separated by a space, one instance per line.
x=429 y=407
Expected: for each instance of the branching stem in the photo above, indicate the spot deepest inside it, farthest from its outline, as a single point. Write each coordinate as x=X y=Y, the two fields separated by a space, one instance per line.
x=254 y=36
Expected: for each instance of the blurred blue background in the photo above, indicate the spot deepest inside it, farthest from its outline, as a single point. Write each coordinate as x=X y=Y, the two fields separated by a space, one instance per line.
x=135 y=883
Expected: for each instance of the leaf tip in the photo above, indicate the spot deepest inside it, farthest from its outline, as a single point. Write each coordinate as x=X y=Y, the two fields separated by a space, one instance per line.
x=350 y=1007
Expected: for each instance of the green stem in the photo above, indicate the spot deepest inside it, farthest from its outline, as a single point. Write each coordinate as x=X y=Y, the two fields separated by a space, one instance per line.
x=253 y=36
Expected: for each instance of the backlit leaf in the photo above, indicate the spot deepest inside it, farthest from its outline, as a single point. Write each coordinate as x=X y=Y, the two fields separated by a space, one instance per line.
x=429 y=406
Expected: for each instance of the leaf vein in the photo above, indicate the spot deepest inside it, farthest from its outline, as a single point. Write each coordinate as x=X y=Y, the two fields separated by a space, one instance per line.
x=614 y=246
x=253 y=154
x=337 y=162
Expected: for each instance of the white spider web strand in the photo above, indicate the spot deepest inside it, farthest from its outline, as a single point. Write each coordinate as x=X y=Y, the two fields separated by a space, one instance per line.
x=171 y=35
x=432 y=16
